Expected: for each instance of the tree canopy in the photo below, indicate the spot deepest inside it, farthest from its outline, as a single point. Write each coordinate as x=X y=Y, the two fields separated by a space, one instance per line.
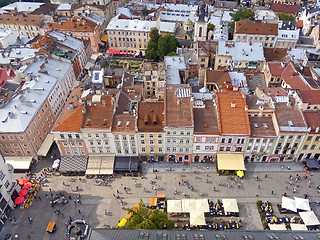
x=286 y=16
x=210 y=27
x=145 y=218
x=160 y=46
x=145 y=11
x=242 y=13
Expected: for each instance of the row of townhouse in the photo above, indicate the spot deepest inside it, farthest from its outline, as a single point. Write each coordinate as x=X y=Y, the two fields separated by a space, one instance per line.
x=188 y=126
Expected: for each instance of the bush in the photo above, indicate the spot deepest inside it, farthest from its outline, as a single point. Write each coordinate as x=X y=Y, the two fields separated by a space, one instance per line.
x=262 y=214
x=259 y=203
x=219 y=201
x=265 y=225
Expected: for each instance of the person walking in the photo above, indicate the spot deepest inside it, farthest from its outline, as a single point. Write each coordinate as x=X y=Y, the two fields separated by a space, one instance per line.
x=79 y=211
x=30 y=220
x=28 y=237
x=39 y=198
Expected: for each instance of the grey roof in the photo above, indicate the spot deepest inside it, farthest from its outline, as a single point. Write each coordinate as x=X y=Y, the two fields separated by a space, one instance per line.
x=22 y=6
x=17 y=53
x=66 y=40
x=55 y=68
x=176 y=16
x=93 y=17
x=256 y=80
x=241 y=51
x=133 y=234
x=73 y=164
x=124 y=11
x=19 y=112
x=130 y=25
x=174 y=65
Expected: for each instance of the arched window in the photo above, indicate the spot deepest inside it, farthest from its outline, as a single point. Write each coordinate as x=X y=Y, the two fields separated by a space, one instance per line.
x=200 y=31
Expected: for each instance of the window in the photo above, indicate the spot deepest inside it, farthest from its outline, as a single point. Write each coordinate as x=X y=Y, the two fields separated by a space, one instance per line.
x=168 y=132
x=181 y=149
x=160 y=141
x=221 y=149
x=181 y=140
x=132 y=138
x=168 y=140
x=151 y=135
x=151 y=149
x=141 y=135
x=89 y=135
x=187 y=141
x=151 y=141
x=124 y=137
x=21 y=137
x=174 y=132
x=99 y=143
x=73 y=144
x=77 y=136
x=174 y=140
x=238 y=149
x=159 y=135
x=223 y=140
x=198 y=139
x=2 y=175
x=198 y=148
x=174 y=149
x=160 y=149
x=309 y=138
x=7 y=184
x=68 y=152
x=230 y=140
x=228 y=149
x=142 y=142
x=207 y=139
x=97 y=135
x=313 y=147
x=105 y=135
x=168 y=149
x=207 y=148
x=317 y=139
x=119 y=151
x=211 y=148
x=116 y=137
x=305 y=147
x=106 y=142
x=80 y=144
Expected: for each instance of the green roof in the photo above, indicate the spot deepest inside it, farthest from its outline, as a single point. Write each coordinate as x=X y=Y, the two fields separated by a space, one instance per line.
x=188 y=22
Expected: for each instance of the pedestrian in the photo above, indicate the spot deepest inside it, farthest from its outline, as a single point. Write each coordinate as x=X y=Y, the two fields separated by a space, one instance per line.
x=144 y=190
x=39 y=198
x=63 y=183
x=266 y=176
x=50 y=189
x=179 y=183
x=214 y=189
x=47 y=195
x=35 y=197
x=79 y=211
x=105 y=212
x=75 y=202
x=258 y=186
x=62 y=215
x=118 y=191
x=114 y=195
x=28 y=237
x=30 y=220
x=272 y=192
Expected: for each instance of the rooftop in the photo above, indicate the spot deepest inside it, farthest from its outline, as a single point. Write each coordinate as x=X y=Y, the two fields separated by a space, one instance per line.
x=233 y=115
x=206 y=119
x=312 y=119
x=276 y=54
x=19 y=112
x=178 y=108
x=124 y=123
x=150 y=116
x=22 y=19
x=241 y=51
x=217 y=77
x=285 y=8
x=310 y=96
x=22 y=6
x=174 y=64
x=65 y=40
x=176 y=16
x=293 y=78
x=262 y=127
x=75 y=24
x=256 y=28
x=130 y=25
x=17 y=53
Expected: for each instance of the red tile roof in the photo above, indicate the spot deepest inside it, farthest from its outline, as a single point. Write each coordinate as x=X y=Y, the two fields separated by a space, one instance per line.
x=262 y=126
x=256 y=28
x=312 y=119
x=150 y=116
x=232 y=112
x=291 y=76
x=76 y=24
x=276 y=68
x=285 y=8
x=310 y=96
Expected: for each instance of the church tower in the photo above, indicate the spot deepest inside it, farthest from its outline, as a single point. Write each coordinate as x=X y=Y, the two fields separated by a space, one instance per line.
x=201 y=22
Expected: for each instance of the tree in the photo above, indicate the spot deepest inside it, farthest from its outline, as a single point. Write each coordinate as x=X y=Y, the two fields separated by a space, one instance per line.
x=144 y=218
x=154 y=35
x=152 y=51
x=285 y=16
x=145 y=11
x=210 y=27
x=167 y=44
x=242 y=13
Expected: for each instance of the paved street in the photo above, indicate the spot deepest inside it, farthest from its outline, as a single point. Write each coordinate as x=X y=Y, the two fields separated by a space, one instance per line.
x=95 y=199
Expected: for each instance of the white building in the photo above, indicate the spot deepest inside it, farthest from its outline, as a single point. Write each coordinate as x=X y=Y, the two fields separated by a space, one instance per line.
x=8 y=37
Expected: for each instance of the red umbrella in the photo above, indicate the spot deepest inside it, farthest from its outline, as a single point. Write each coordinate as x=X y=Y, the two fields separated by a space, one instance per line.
x=23 y=192
x=27 y=185
x=23 y=181
x=19 y=200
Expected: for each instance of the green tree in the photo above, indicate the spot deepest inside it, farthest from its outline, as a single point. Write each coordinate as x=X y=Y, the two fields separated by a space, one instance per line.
x=144 y=218
x=242 y=13
x=154 y=35
x=167 y=44
x=145 y=11
x=152 y=51
x=210 y=27
x=285 y=16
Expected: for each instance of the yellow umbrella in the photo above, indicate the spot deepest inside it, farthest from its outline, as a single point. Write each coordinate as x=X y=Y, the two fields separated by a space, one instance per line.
x=122 y=222
x=240 y=173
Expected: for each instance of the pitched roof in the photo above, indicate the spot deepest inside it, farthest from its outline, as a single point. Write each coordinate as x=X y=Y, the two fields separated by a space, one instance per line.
x=256 y=28
x=150 y=116
x=285 y=114
x=293 y=78
x=218 y=78
x=284 y=8
x=233 y=115
x=21 y=19
x=76 y=24
x=276 y=68
x=262 y=126
x=46 y=9
x=206 y=119
x=312 y=119
x=124 y=123
x=178 y=106
x=310 y=96
x=70 y=119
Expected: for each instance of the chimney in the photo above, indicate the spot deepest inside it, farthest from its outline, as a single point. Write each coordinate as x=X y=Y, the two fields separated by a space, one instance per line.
x=233 y=104
x=104 y=122
x=146 y=119
x=71 y=106
x=154 y=119
x=88 y=122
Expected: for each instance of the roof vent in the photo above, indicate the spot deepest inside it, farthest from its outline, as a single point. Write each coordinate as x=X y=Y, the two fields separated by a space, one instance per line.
x=290 y=123
x=255 y=125
x=233 y=105
x=128 y=122
x=146 y=119
x=119 y=123
x=104 y=122
x=205 y=125
x=88 y=122
x=261 y=107
x=317 y=129
x=265 y=126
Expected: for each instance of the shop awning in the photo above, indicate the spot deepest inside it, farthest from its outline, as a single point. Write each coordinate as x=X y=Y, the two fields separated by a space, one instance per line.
x=197 y=218
x=73 y=164
x=126 y=164
x=230 y=205
x=100 y=165
x=230 y=161
x=46 y=145
x=277 y=227
x=113 y=51
x=153 y=202
x=104 y=38
x=309 y=218
x=174 y=206
x=21 y=163
x=312 y=163
x=298 y=227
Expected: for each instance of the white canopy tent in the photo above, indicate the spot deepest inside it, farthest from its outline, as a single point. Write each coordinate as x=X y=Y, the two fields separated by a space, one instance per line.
x=309 y=218
x=188 y=205
x=277 y=227
x=197 y=218
x=302 y=204
x=174 y=206
x=202 y=205
x=230 y=205
x=289 y=204
x=298 y=227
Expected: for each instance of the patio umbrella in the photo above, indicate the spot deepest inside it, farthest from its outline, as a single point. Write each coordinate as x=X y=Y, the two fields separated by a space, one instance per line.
x=55 y=165
x=23 y=181
x=27 y=185
x=240 y=173
x=19 y=200
x=23 y=192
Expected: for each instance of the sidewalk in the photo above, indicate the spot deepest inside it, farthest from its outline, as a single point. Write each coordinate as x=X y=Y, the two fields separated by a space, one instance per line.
x=211 y=167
